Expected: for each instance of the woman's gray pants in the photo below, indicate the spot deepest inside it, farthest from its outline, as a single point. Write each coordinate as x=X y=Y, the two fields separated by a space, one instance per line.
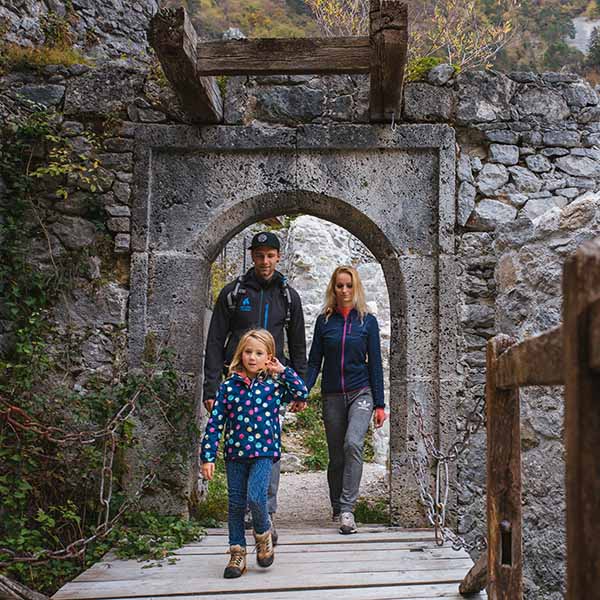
x=347 y=418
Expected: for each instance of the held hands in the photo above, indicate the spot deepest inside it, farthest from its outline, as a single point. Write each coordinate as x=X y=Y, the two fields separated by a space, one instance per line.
x=379 y=417
x=208 y=470
x=274 y=366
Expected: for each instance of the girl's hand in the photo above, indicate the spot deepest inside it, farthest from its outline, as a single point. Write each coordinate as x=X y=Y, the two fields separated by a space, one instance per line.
x=379 y=417
x=274 y=366
x=208 y=470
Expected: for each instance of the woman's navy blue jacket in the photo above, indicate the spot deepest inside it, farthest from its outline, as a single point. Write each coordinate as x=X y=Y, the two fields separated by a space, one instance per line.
x=352 y=355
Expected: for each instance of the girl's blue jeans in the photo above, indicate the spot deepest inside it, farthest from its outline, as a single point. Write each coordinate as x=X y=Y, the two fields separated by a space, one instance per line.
x=247 y=483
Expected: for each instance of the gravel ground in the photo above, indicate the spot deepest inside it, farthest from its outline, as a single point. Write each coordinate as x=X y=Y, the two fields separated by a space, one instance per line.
x=303 y=498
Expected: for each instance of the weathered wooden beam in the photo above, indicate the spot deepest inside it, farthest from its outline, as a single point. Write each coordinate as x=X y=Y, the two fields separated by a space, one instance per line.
x=534 y=361
x=581 y=289
x=294 y=56
x=476 y=579
x=504 y=513
x=13 y=590
x=594 y=339
x=174 y=39
x=389 y=41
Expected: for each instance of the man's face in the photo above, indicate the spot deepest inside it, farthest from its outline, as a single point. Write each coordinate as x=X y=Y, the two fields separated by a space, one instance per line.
x=265 y=261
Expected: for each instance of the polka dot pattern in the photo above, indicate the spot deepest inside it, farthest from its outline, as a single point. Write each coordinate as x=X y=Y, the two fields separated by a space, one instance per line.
x=246 y=414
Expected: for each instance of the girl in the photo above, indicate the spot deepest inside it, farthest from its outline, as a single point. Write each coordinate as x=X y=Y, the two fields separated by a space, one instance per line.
x=247 y=410
x=347 y=336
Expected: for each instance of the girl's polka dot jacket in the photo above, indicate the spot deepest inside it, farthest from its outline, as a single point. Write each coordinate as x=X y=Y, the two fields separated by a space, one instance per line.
x=247 y=410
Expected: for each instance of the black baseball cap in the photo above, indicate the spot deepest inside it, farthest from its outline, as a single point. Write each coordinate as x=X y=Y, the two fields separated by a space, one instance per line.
x=265 y=238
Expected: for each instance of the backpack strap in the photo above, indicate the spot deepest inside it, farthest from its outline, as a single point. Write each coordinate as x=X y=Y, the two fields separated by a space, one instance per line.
x=287 y=298
x=233 y=297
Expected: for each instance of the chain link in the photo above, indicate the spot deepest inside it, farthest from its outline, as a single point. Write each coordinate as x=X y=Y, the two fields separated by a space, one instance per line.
x=436 y=506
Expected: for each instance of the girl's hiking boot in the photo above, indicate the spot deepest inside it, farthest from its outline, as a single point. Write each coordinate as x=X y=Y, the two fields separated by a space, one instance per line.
x=236 y=566
x=265 y=555
x=347 y=524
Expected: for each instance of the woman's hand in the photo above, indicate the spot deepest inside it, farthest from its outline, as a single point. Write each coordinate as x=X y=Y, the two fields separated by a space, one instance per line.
x=379 y=417
x=208 y=470
x=274 y=366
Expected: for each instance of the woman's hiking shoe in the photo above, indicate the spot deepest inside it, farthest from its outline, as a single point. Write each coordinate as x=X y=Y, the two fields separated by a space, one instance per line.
x=265 y=554
x=347 y=524
x=236 y=566
x=274 y=534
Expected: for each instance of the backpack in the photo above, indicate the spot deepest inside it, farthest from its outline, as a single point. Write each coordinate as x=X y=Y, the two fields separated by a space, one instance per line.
x=235 y=295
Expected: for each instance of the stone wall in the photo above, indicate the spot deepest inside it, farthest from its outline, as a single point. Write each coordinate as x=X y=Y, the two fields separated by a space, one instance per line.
x=99 y=28
x=528 y=155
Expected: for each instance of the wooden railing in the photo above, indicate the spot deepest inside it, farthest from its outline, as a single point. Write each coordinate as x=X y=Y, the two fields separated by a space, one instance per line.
x=568 y=355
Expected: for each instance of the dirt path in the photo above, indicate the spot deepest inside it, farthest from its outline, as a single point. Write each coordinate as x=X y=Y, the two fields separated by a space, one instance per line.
x=303 y=498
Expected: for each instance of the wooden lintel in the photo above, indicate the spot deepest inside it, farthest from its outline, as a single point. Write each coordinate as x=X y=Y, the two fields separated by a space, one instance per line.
x=293 y=56
x=389 y=41
x=476 y=579
x=504 y=511
x=534 y=361
x=174 y=39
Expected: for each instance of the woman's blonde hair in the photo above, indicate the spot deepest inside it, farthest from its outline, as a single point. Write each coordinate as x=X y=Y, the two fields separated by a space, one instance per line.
x=260 y=335
x=358 y=293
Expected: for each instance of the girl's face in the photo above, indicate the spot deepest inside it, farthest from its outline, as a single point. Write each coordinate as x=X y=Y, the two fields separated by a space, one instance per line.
x=343 y=290
x=254 y=357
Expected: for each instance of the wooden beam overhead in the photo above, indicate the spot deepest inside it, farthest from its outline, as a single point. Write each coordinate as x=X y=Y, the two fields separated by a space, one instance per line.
x=174 y=39
x=534 y=361
x=389 y=41
x=294 y=56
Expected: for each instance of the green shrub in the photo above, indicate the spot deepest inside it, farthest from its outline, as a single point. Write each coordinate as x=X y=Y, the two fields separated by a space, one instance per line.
x=372 y=511
x=213 y=510
x=418 y=68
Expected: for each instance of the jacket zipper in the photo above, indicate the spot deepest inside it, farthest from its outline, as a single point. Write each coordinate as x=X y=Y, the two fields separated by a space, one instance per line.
x=260 y=308
x=343 y=346
x=266 y=315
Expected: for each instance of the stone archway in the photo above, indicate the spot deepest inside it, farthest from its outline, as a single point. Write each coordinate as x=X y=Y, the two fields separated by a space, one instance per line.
x=394 y=191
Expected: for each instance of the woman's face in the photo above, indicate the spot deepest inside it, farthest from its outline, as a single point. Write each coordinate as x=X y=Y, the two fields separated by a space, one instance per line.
x=254 y=357
x=343 y=290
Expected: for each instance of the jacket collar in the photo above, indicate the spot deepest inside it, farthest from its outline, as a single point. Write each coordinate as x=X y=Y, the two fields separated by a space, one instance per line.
x=252 y=279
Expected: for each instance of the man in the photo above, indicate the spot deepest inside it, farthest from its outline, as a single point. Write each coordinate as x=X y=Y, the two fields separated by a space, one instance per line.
x=260 y=298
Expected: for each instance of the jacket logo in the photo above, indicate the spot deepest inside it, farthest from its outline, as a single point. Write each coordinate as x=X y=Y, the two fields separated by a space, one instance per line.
x=245 y=305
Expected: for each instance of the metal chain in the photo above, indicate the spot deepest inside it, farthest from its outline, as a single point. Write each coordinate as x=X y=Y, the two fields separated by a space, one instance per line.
x=436 y=506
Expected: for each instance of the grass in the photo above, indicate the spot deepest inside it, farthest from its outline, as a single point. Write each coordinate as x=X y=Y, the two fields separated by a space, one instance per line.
x=372 y=511
x=19 y=58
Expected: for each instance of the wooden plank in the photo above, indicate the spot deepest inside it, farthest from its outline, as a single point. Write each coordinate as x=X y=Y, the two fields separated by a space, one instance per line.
x=174 y=39
x=320 y=548
x=334 y=537
x=391 y=592
x=504 y=513
x=255 y=580
x=334 y=527
x=476 y=579
x=594 y=338
x=354 y=567
x=285 y=56
x=581 y=288
x=534 y=361
x=389 y=41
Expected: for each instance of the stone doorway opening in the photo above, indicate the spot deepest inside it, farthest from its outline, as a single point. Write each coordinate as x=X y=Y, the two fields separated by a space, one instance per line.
x=393 y=190
x=311 y=249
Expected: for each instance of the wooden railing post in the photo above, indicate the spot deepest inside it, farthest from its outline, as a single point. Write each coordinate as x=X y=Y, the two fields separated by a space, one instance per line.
x=581 y=289
x=504 y=514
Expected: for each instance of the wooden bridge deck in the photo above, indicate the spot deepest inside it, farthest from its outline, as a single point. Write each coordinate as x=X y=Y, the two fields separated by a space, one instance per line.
x=377 y=563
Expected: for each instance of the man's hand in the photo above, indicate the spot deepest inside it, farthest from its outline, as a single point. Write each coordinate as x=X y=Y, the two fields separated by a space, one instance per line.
x=379 y=417
x=208 y=470
x=209 y=403
x=297 y=406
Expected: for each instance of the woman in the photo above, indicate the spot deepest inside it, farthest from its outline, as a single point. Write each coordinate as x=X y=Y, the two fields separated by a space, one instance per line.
x=347 y=337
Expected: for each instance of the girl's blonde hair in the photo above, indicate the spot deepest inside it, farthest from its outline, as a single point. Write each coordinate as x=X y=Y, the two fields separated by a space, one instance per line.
x=358 y=293
x=260 y=335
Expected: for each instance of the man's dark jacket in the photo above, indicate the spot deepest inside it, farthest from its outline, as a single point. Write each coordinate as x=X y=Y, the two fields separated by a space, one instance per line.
x=262 y=305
